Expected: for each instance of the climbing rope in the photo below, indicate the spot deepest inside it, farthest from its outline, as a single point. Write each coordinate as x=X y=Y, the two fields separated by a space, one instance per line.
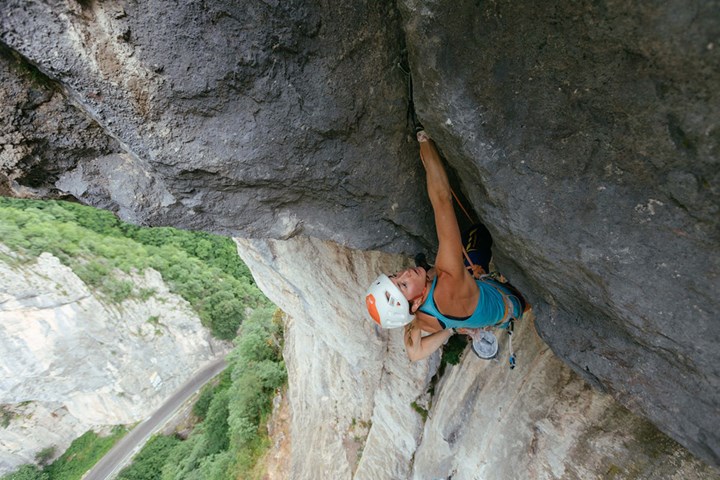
x=478 y=272
x=461 y=206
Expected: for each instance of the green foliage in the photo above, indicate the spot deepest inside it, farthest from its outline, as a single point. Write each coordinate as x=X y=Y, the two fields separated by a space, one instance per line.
x=149 y=462
x=216 y=424
x=26 y=472
x=232 y=435
x=259 y=371
x=216 y=467
x=245 y=466
x=202 y=404
x=118 y=290
x=420 y=410
x=93 y=272
x=204 y=269
x=145 y=294
x=44 y=455
x=184 y=460
x=248 y=408
x=453 y=349
x=6 y=415
x=82 y=454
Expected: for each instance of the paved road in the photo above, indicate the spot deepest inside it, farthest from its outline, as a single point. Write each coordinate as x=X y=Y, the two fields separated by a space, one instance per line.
x=119 y=455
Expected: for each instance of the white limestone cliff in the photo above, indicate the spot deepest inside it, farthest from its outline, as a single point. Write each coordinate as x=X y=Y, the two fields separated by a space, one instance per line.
x=70 y=362
x=352 y=389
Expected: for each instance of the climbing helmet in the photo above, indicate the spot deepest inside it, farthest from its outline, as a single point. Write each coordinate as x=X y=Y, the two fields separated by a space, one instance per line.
x=386 y=304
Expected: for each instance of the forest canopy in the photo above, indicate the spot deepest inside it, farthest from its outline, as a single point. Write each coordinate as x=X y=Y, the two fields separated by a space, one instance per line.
x=203 y=268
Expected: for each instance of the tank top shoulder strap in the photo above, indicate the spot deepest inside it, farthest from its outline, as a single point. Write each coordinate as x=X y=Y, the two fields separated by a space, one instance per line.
x=428 y=306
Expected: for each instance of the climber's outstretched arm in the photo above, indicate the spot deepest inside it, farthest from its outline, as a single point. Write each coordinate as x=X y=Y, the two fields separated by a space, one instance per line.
x=449 y=257
x=419 y=347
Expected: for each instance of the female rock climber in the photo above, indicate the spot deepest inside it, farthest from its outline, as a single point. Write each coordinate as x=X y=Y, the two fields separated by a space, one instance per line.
x=445 y=298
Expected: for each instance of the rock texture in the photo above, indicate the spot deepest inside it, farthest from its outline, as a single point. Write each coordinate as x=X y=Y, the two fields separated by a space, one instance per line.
x=357 y=401
x=43 y=133
x=290 y=110
x=589 y=141
x=70 y=362
x=585 y=135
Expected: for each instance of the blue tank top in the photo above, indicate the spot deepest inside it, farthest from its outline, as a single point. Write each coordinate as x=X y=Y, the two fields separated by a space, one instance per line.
x=489 y=311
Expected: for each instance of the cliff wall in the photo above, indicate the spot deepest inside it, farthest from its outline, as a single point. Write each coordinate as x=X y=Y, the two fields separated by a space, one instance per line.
x=71 y=362
x=584 y=135
x=358 y=403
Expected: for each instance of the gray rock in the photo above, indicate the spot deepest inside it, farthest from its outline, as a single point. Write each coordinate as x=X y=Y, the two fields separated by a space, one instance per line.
x=258 y=119
x=361 y=410
x=587 y=139
x=73 y=361
x=585 y=135
x=43 y=134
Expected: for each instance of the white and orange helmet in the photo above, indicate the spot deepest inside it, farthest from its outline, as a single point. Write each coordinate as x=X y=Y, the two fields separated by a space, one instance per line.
x=386 y=304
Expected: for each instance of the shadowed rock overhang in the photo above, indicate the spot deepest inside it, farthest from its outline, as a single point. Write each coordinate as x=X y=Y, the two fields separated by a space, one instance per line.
x=585 y=135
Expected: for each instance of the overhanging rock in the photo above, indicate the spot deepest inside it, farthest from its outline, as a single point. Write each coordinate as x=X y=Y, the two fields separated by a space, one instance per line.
x=588 y=138
x=585 y=135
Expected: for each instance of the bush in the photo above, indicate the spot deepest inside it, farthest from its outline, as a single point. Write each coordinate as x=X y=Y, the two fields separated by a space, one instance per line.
x=454 y=348
x=82 y=454
x=216 y=424
x=149 y=462
x=216 y=467
x=26 y=472
x=201 y=406
x=258 y=370
x=44 y=455
x=118 y=290
x=184 y=459
x=93 y=272
x=249 y=403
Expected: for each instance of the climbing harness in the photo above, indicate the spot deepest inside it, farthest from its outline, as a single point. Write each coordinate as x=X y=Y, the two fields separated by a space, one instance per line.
x=485 y=344
x=507 y=322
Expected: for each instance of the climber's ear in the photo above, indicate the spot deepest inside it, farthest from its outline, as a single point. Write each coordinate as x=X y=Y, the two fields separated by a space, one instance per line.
x=416 y=304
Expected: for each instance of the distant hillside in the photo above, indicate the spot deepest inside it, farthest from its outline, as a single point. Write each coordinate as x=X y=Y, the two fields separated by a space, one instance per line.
x=100 y=321
x=202 y=268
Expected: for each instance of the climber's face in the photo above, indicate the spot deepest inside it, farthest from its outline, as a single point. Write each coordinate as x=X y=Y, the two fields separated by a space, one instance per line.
x=411 y=282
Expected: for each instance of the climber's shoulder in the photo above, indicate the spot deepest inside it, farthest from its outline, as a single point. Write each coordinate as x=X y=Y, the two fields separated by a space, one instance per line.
x=426 y=323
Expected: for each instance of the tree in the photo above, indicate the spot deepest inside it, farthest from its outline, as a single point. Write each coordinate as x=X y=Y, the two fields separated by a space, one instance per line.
x=27 y=472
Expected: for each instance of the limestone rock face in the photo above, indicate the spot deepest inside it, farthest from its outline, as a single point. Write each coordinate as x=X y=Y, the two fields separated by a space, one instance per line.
x=357 y=400
x=339 y=366
x=584 y=134
x=296 y=112
x=589 y=143
x=70 y=362
x=44 y=134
